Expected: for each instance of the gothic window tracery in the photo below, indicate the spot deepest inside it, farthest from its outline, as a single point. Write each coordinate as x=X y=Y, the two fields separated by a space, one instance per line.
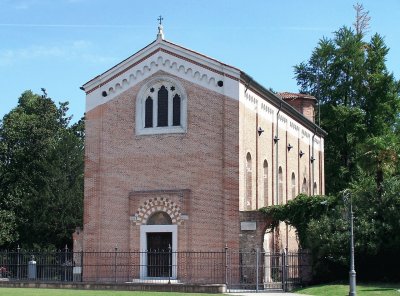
x=161 y=107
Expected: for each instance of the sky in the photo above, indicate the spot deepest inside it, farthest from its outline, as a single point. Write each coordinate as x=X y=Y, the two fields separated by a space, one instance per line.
x=61 y=44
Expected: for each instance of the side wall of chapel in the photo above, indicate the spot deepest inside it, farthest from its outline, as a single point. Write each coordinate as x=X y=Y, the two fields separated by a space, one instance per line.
x=262 y=183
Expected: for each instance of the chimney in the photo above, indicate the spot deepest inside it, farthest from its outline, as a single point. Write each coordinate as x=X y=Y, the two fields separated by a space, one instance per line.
x=304 y=104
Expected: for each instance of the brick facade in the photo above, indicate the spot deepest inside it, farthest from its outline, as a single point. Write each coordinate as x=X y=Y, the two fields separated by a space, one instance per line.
x=197 y=177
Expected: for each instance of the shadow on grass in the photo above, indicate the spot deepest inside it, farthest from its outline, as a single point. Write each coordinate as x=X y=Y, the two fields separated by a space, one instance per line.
x=376 y=289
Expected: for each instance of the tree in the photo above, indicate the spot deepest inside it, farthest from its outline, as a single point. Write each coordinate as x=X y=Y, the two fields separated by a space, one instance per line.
x=360 y=107
x=362 y=19
x=41 y=171
x=349 y=78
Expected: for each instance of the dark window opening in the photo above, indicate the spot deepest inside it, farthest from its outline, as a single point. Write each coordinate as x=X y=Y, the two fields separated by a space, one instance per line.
x=176 y=108
x=148 y=121
x=162 y=107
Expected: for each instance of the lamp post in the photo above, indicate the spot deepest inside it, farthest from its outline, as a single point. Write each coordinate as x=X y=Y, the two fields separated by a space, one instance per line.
x=352 y=273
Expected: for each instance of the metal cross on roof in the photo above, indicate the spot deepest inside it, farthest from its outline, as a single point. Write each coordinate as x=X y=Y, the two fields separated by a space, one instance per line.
x=160 y=19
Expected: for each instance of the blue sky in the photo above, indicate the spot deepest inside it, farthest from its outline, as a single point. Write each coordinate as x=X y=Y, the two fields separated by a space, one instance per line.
x=61 y=44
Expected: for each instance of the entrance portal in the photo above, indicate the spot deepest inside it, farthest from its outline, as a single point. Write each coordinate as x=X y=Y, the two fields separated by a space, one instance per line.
x=158 y=244
x=159 y=254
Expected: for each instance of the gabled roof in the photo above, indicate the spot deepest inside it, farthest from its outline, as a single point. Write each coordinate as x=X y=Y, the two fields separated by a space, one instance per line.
x=164 y=46
x=187 y=64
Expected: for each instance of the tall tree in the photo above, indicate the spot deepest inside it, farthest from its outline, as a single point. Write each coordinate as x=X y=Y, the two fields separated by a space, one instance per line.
x=41 y=171
x=360 y=107
x=358 y=97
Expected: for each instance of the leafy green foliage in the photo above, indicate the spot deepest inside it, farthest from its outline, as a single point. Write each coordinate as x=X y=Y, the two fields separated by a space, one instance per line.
x=41 y=169
x=322 y=226
x=358 y=97
x=360 y=107
x=298 y=212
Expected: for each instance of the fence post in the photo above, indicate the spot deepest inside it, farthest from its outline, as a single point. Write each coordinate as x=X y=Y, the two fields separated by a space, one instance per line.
x=284 y=270
x=287 y=269
x=115 y=264
x=169 y=263
x=18 y=249
x=65 y=262
x=81 y=265
x=257 y=266
x=226 y=266
x=283 y=264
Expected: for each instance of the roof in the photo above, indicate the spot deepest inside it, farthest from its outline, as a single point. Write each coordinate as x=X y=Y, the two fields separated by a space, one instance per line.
x=165 y=46
x=292 y=96
x=207 y=64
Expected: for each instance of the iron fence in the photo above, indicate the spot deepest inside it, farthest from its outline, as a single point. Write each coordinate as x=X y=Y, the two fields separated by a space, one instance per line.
x=239 y=270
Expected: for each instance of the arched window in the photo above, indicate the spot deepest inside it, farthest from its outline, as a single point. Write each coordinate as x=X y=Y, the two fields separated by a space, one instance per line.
x=176 y=110
x=280 y=186
x=249 y=182
x=293 y=185
x=161 y=107
x=265 y=183
x=162 y=118
x=149 y=112
x=304 y=187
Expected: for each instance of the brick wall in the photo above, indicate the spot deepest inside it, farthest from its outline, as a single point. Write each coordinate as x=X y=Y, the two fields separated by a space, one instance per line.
x=204 y=160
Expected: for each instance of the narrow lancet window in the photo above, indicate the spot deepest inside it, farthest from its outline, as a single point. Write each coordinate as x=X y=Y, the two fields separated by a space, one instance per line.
x=249 y=182
x=148 y=113
x=280 y=180
x=304 y=187
x=162 y=107
x=293 y=185
x=176 y=108
x=265 y=167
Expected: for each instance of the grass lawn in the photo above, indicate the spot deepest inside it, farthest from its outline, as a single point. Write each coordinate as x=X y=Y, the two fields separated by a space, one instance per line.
x=68 y=292
x=343 y=290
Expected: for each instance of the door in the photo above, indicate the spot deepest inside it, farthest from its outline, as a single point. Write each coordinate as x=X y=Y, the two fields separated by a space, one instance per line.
x=159 y=254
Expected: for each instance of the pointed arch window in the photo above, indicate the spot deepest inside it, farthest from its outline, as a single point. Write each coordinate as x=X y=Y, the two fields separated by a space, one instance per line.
x=265 y=182
x=293 y=184
x=304 y=187
x=148 y=113
x=176 y=110
x=161 y=107
x=280 y=185
x=249 y=182
x=162 y=114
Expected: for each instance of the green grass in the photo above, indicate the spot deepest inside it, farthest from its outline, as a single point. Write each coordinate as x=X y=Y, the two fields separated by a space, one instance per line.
x=343 y=290
x=70 y=292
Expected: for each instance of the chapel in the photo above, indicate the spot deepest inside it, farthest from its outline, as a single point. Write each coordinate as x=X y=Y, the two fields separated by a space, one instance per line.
x=181 y=151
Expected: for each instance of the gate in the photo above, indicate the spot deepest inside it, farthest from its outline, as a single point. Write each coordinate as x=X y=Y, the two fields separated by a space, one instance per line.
x=254 y=271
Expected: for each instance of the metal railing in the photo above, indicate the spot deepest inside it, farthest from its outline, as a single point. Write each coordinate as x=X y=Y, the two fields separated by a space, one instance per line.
x=239 y=270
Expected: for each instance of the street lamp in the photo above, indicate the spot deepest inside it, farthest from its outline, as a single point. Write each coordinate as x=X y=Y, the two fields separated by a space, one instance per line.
x=352 y=273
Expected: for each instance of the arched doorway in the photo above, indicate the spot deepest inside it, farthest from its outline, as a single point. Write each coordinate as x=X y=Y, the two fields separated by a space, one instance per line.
x=158 y=241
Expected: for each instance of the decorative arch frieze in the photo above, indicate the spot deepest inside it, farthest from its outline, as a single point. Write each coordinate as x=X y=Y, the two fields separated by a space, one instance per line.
x=159 y=60
x=157 y=204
